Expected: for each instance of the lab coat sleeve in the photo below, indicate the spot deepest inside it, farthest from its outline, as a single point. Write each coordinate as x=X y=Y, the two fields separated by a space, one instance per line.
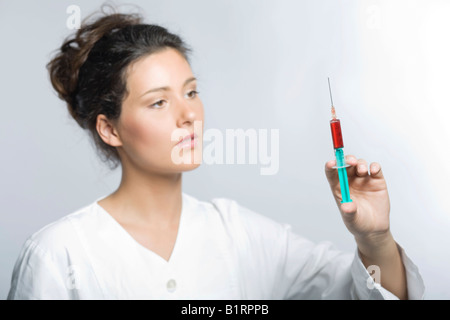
x=37 y=276
x=367 y=288
x=319 y=271
x=279 y=264
x=310 y=270
x=290 y=266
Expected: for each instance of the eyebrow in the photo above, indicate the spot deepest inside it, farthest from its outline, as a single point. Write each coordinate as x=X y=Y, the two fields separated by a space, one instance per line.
x=168 y=88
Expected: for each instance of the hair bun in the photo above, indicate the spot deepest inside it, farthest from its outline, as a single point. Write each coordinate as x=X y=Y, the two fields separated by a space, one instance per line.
x=65 y=65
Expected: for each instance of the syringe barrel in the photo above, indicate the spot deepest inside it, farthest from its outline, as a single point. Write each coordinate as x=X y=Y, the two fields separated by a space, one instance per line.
x=343 y=177
x=336 y=133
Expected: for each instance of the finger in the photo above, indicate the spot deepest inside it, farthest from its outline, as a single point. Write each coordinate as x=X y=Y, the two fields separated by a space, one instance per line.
x=362 y=169
x=352 y=161
x=329 y=171
x=375 y=170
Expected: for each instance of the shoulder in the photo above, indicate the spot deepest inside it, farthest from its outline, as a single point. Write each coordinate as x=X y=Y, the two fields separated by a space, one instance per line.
x=60 y=234
x=48 y=256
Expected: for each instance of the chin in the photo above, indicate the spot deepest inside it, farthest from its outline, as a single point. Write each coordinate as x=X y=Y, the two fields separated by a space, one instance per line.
x=187 y=160
x=189 y=167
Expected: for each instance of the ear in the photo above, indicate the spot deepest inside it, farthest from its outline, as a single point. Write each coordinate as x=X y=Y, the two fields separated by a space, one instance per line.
x=107 y=131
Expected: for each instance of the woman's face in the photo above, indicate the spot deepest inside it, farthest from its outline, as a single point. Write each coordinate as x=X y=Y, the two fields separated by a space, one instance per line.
x=162 y=107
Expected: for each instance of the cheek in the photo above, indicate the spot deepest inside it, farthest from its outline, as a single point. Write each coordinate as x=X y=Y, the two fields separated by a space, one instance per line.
x=141 y=135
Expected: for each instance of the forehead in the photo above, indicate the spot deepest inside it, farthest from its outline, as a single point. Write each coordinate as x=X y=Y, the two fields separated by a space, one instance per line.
x=163 y=68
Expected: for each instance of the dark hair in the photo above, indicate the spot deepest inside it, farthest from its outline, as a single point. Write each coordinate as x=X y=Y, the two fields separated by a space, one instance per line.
x=89 y=70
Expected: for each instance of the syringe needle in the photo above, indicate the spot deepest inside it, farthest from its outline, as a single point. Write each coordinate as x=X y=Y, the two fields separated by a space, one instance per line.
x=329 y=88
x=333 y=111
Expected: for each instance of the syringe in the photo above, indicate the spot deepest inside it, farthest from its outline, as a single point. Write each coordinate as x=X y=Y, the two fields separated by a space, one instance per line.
x=338 y=144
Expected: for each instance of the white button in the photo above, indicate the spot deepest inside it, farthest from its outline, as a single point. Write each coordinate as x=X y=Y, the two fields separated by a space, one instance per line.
x=171 y=285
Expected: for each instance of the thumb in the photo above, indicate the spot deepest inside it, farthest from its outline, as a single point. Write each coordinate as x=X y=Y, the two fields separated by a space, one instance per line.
x=348 y=210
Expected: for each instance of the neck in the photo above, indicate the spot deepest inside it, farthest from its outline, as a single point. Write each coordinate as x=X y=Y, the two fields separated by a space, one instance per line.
x=149 y=197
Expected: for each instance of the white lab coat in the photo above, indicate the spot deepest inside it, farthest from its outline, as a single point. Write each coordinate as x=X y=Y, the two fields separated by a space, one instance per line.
x=222 y=251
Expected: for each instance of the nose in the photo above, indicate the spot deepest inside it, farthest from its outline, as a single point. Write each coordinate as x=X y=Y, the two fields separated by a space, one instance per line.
x=186 y=114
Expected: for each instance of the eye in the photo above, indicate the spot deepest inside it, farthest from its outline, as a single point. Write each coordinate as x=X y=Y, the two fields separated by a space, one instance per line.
x=193 y=94
x=158 y=104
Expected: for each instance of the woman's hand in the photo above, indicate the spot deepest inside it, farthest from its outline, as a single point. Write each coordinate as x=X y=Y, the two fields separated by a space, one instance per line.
x=367 y=217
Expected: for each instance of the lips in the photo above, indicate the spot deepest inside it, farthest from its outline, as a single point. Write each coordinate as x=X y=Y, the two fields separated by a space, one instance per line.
x=187 y=138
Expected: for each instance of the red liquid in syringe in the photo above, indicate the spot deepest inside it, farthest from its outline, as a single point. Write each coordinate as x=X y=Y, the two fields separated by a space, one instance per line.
x=336 y=133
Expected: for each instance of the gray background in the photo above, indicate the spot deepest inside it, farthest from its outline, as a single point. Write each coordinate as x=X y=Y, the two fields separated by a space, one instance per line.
x=263 y=65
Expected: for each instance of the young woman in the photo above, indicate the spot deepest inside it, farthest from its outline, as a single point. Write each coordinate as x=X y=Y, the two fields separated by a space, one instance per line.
x=130 y=85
